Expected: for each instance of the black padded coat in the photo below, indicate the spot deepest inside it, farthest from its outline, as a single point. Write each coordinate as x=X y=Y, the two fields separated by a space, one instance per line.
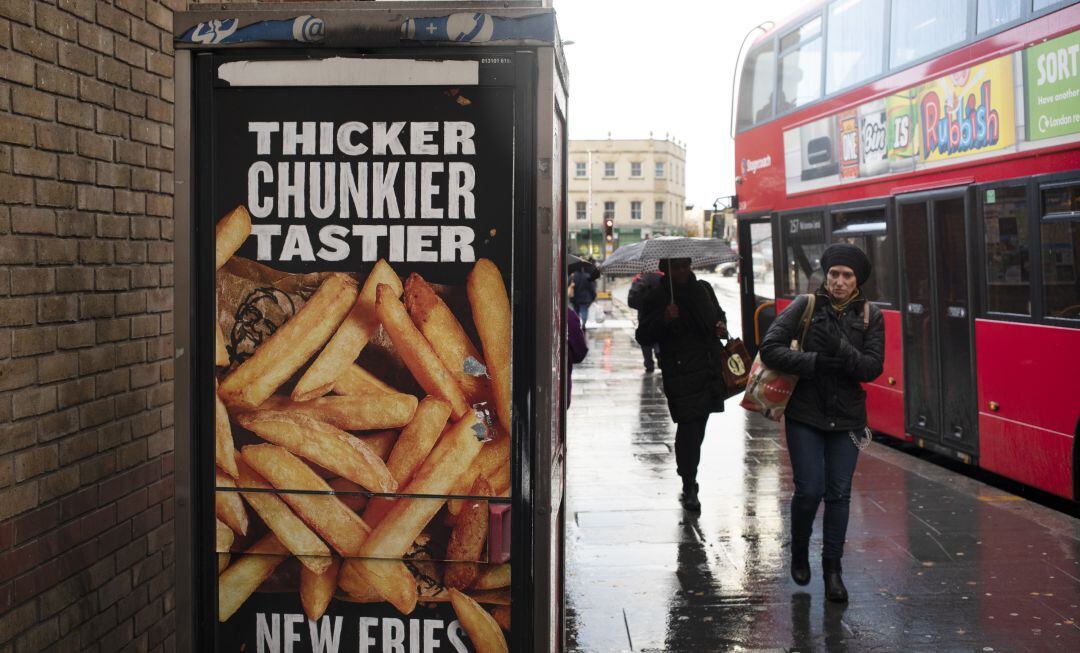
x=690 y=355
x=831 y=402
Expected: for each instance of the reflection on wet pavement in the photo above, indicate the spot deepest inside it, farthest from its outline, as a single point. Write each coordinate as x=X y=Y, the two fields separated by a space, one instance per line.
x=934 y=561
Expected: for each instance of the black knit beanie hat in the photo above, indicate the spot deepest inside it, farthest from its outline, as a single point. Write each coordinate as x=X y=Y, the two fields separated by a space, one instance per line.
x=849 y=255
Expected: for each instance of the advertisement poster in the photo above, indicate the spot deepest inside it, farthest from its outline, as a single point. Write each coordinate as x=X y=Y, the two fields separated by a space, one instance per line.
x=901 y=135
x=1053 y=87
x=363 y=246
x=848 y=127
x=873 y=140
x=967 y=112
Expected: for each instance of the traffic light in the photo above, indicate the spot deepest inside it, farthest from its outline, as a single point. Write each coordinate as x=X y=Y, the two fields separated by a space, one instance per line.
x=609 y=230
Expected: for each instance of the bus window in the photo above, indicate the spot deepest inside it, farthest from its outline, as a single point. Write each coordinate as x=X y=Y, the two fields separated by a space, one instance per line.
x=800 y=66
x=1060 y=231
x=994 y=13
x=804 y=241
x=762 y=259
x=1008 y=264
x=756 y=87
x=867 y=230
x=854 y=49
x=920 y=27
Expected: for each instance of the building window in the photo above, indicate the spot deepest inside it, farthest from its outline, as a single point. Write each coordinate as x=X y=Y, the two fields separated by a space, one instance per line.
x=659 y=211
x=1008 y=260
x=635 y=168
x=581 y=211
x=800 y=66
x=854 y=51
x=804 y=242
x=635 y=210
x=580 y=169
x=921 y=27
x=868 y=231
x=609 y=168
x=1060 y=235
x=659 y=169
x=609 y=210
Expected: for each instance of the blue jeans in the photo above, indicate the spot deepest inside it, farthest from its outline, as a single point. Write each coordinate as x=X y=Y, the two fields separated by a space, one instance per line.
x=583 y=313
x=823 y=463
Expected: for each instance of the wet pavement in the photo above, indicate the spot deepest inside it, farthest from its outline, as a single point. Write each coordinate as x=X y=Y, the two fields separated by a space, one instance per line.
x=934 y=561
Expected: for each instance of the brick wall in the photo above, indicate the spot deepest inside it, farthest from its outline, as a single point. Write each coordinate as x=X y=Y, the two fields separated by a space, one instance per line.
x=86 y=275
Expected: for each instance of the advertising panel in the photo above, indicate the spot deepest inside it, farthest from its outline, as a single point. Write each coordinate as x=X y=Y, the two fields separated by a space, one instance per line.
x=363 y=254
x=848 y=127
x=967 y=112
x=873 y=140
x=1053 y=87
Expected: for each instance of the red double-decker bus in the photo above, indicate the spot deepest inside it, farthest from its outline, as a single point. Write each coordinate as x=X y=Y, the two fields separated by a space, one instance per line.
x=942 y=137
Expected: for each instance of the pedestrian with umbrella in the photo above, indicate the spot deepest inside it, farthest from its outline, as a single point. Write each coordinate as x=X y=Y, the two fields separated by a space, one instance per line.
x=684 y=317
x=583 y=275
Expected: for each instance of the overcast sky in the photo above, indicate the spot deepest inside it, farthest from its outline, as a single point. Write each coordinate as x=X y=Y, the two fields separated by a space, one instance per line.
x=665 y=67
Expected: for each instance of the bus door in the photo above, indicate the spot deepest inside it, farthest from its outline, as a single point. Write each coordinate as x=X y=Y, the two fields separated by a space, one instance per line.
x=757 y=286
x=938 y=321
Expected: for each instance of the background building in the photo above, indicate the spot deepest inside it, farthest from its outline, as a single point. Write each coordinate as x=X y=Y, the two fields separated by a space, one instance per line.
x=640 y=183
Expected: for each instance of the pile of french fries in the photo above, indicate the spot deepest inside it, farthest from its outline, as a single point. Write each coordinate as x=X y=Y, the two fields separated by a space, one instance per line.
x=343 y=472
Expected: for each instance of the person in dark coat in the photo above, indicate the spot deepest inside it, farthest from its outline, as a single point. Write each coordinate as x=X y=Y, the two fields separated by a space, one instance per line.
x=825 y=419
x=641 y=287
x=584 y=293
x=688 y=328
x=576 y=347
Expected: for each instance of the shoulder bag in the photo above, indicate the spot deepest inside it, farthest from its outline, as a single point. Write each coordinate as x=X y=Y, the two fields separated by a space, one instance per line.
x=768 y=391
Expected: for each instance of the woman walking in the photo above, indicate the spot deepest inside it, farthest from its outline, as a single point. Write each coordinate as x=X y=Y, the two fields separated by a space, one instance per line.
x=826 y=416
x=684 y=318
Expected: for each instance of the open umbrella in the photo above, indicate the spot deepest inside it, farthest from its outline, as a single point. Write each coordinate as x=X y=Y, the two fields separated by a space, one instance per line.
x=646 y=255
x=575 y=263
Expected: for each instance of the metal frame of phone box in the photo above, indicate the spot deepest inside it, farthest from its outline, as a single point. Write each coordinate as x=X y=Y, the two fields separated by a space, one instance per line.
x=539 y=368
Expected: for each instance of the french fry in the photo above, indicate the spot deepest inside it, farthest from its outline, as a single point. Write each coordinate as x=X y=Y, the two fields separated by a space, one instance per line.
x=493 y=454
x=350 y=338
x=355 y=380
x=223 y=541
x=483 y=630
x=355 y=586
x=290 y=529
x=401 y=526
x=391 y=579
x=316 y=590
x=408 y=517
x=221 y=351
x=352 y=412
x=381 y=442
x=355 y=502
x=230 y=233
x=224 y=452
x=501 y=615
x=467 y=540
x=491 y=313
x=500 y=480
x=322 y=444
x=416 y=351
x=325 y=513
x=492 y=577
x=446 y=335
x=283 y=353
x=227 y=504
x=412 y=447
x=243 y=577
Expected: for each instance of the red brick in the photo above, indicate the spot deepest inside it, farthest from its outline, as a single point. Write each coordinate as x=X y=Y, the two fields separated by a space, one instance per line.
x=78 y=503
x=36 y=522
